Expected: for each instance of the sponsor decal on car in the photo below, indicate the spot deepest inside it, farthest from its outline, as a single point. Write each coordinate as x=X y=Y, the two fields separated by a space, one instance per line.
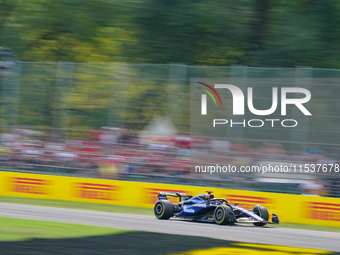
x=201 y=205
x=248 y=202
x=189 y=210
x=249 y=213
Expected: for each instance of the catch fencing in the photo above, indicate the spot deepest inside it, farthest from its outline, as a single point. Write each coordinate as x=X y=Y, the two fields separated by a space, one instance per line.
x=67 y=100
x=72 y=97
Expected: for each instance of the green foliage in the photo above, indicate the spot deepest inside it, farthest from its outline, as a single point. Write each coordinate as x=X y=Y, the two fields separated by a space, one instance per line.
x=261 y=32
x=207 y=33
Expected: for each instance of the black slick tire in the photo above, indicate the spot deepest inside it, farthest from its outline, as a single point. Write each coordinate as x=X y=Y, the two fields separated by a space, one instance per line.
x=164 y=209
x=221 y=215
x=263 y=213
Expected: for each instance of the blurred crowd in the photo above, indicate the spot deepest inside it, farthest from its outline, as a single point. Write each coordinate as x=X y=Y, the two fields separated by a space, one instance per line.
x=116 y=153
x=106 y=153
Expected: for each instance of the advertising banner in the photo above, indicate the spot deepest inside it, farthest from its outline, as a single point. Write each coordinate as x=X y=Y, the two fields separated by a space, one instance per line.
x=290 y=208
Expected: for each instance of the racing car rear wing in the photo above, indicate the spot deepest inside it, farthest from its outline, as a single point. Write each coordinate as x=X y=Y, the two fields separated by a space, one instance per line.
x=163 y=195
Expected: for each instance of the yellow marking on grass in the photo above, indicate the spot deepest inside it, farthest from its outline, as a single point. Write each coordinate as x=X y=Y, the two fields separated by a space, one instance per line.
x=251 y=249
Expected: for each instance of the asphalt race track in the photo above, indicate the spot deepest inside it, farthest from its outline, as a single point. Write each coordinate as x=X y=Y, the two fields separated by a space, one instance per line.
x=242 y=233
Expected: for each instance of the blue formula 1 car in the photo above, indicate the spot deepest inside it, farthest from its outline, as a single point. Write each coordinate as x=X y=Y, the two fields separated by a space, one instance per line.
x=207 y=208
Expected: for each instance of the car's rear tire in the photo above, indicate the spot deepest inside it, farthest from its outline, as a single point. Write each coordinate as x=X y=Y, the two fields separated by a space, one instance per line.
x=263 y=213
x=222 y=215
x=164 y=209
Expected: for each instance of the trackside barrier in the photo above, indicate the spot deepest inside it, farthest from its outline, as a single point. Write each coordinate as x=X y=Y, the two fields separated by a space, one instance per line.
x=290 y=208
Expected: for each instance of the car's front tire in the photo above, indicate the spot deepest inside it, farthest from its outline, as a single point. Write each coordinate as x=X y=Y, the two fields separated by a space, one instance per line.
x=263 y=213
x=222 y=215
x=164 y=209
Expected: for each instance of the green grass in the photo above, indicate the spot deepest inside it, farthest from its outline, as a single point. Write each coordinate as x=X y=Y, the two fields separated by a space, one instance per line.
x=310 y=227
x=127 y=209
x=20 y=229
x=33 y=237
x=77 y=205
